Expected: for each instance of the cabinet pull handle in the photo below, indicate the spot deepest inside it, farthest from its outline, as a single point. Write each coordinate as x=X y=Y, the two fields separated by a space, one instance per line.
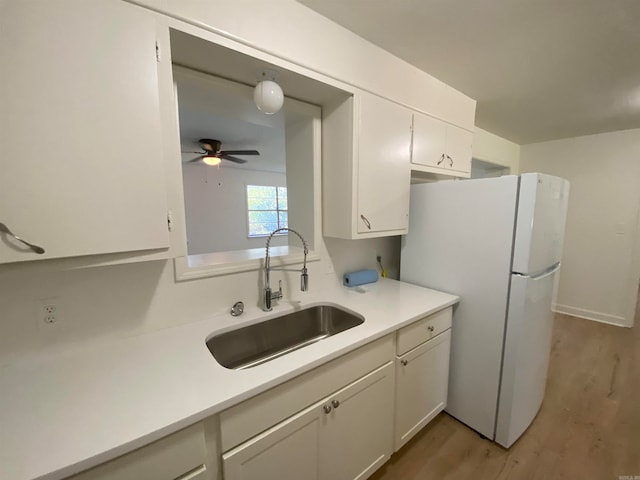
x=366 y=222
x=450 y=161
x=431 y=328
x=335 y=403
x=404 y=362
x=441 y=159
x=34 y=248
x=327 y=409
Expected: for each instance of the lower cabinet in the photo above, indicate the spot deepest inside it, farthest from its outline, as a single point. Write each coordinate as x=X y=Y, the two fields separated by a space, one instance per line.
x=422 y=377
x=422 y=373
x=344 y=436
x=180 y=456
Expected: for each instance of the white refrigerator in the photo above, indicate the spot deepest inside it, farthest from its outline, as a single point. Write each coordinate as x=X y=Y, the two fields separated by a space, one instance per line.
x=496 y=243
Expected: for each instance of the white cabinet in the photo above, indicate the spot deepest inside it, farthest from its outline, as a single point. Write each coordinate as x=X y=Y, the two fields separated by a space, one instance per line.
x=422 y=374
x=366 y=167
x=356 y=438
x=291 y=449
x=80 y=136
x=439 y=147
x=345 y=436
x=180 y=456
x=383 y=166
x=333 y=423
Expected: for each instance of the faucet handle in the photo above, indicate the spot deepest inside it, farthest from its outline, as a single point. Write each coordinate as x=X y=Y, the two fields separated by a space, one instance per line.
x=280 y=288
x=304 y=280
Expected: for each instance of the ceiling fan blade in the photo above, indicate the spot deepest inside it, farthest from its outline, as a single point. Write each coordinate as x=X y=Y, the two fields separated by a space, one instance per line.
x=233 y=159
x=197 y=159
x=240 y=152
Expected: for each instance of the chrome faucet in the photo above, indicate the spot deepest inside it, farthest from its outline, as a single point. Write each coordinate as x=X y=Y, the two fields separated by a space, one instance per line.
x=268 y=295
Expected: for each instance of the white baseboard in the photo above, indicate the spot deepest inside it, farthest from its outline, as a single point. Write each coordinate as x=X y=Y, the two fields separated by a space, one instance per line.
x=591 y=315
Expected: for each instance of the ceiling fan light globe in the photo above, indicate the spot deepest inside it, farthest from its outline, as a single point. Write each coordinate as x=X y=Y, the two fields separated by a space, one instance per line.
x=211 y=160
x=268 y=97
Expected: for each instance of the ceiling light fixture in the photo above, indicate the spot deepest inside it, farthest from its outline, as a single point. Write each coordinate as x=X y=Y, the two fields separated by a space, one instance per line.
x=211 y=160
x=268 y=95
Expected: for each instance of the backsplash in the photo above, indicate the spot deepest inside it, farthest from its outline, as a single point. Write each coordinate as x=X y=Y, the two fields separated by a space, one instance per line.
x=117 y=301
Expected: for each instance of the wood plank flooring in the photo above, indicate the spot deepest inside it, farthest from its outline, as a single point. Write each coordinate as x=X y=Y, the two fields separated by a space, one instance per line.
x=588 y=426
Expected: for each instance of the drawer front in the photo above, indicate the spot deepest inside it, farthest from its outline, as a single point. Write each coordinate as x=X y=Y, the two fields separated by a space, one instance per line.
x=419 y=332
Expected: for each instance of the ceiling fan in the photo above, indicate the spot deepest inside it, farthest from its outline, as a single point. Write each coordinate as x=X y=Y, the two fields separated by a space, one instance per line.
x=213 y=153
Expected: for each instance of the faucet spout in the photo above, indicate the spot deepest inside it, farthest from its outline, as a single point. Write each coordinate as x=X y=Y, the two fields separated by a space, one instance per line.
x=268 y=295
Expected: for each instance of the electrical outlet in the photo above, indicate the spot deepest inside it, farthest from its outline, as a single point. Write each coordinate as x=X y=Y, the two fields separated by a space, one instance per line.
x=48 y=312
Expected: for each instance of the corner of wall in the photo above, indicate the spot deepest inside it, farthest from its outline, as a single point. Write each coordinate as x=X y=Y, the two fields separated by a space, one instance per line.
x=491 y=148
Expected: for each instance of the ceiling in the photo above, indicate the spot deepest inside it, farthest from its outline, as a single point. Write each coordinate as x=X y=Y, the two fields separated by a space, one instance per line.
x=539 y=70
x=210 y=107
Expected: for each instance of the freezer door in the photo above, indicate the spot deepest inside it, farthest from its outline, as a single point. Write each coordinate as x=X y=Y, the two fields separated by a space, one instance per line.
x=542 y=211
x=526 y=355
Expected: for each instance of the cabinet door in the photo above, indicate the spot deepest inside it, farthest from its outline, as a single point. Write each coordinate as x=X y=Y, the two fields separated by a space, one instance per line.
x=459 y=143
x=80 y=142
x=422 y=377
x=383 y=168
x=357 y=436
x=429 y=141
x=288 y=450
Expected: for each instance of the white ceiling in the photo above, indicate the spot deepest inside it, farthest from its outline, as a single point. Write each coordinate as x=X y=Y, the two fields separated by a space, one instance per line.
x=539 y=69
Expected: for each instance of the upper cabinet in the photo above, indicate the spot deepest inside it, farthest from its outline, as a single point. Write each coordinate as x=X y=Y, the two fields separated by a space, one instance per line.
x=80 y=137
x=366 y=167
x=440 y=147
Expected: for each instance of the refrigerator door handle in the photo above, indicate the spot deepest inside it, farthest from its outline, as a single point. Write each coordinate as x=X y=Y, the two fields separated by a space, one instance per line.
x=545 y=273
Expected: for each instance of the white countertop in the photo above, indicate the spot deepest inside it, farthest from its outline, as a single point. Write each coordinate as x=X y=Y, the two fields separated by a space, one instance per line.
x=64 y=413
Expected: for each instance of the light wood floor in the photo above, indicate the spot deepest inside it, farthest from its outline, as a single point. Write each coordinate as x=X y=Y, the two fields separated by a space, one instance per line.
x=588 y=426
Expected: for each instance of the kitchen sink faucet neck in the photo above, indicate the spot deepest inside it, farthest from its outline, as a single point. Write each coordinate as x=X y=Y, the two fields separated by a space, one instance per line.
x=268 y=296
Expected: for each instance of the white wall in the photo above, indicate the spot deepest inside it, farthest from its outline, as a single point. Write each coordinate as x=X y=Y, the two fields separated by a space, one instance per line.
x=216 y=207
x=601 y=268
x=482 y=169
x=294 y=32
x=491 y=148
x=115 y=301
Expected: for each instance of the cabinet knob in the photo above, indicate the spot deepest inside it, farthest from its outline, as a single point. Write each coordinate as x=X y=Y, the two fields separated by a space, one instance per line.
x=431 y=328
x=327 y=409
x=404 y=362
x=335 y=403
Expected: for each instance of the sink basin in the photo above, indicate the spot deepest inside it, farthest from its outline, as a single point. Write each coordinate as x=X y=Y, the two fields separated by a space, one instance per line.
x=256 y=344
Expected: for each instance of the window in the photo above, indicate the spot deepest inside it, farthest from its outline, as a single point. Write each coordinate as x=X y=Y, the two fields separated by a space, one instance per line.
x=266 y=209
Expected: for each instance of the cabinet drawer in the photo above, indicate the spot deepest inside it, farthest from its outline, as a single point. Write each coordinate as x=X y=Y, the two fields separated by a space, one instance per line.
x=413 y=335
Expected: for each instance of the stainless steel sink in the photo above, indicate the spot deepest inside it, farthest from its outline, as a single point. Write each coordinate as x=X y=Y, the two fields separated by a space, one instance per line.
x=256 y=344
